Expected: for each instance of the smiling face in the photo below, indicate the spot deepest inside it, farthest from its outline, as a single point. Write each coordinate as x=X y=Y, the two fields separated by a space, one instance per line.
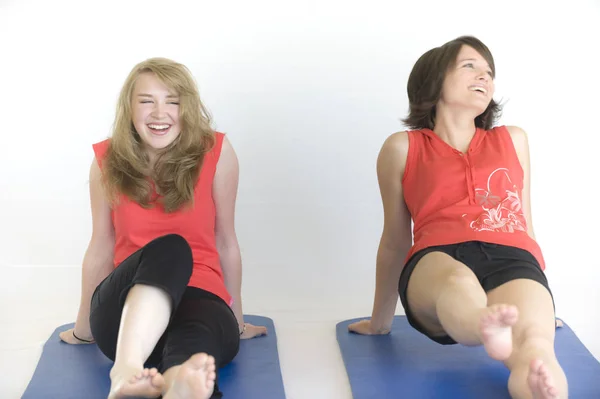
x=155 y=112
x=469 y=83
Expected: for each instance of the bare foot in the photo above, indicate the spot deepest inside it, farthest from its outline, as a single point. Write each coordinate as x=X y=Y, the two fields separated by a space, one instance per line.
x=496 y=330
x=132 y=382
x=195 y=378
x=540 y=381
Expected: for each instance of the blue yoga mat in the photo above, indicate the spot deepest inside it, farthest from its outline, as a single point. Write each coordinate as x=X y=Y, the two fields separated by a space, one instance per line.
x=81 y=371
x=406 y=364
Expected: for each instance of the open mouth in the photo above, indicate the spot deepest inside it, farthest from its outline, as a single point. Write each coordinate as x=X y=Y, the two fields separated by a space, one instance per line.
x=159 y=129
x=478 y=89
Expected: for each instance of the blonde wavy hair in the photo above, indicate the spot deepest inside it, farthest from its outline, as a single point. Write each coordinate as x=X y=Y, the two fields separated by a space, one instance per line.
x=172 y=178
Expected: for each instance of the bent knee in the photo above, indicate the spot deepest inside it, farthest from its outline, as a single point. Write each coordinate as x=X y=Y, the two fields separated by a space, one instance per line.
x=436 y=270
x=172 y=249
x=173 y=240
x=460 y=278
x=171 y=243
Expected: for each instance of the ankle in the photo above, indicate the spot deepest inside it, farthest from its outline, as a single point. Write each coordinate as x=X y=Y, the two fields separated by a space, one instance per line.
x=120 y=368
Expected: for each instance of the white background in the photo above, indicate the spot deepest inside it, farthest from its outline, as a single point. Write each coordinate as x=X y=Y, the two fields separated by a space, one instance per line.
x=307 y=92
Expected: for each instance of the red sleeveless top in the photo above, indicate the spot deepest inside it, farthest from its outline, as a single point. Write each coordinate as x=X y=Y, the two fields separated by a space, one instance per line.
x=455 y=197
x=135 y=226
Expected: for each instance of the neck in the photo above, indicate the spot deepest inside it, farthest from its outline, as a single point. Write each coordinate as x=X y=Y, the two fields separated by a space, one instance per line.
x=455 y=128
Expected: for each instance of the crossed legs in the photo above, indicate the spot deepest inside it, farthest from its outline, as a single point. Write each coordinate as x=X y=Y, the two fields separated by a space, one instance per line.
x=131 y=319
x=144 y=319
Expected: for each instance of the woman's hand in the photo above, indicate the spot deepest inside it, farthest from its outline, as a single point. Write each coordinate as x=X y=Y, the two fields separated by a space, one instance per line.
x=251 y=331
x=364 y=327
x=69 y=337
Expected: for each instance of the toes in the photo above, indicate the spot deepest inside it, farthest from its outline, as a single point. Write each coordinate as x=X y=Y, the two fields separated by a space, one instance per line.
x=507 y=313
x=489 y=315
x=541 y=377
x=499 y=314
x=536 y=366
x=210 y=380
x=513 y=316
x=157 y=380
x=199 y=360
x=143 y=374
x=209 y=369
x=542 y=369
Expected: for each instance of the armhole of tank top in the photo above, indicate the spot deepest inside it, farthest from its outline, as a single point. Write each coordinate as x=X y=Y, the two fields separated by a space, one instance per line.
x=213 y=157
x=409 y=156
x=508 y=140
x=219 y=137
x=100 y=150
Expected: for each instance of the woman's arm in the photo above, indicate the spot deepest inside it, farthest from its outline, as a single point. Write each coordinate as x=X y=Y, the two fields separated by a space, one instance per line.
x=98 y=259
x=521 y=144
x=225 y=187
x=396 y=238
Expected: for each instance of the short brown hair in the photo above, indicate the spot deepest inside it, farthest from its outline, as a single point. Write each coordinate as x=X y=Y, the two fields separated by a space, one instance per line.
x=427 y=78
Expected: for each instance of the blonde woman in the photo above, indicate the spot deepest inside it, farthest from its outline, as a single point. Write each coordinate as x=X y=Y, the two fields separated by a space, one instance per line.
x=162 y=273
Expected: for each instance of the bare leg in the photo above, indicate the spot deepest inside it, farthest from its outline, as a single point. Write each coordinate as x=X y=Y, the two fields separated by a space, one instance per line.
x=535 y=371
x=194 y=379
x=144 y=319
x=446 y=298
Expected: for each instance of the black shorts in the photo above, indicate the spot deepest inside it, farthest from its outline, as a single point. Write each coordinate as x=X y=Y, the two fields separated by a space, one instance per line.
x=493 y=264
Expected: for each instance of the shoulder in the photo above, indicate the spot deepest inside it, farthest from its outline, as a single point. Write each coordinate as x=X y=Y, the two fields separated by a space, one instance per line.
x=218 y=144
x=100 y=149
x=394 y=153
x=518 y=136
x=95 y=171
x=102 y=145
x=515 y=132
x=222 y=147
x=220 y=136
x=397 y=143
x=225 y=154
x=225 y=144
x=520 y=143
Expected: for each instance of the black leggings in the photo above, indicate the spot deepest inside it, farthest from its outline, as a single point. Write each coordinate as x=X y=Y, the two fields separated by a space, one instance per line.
x=200 y=321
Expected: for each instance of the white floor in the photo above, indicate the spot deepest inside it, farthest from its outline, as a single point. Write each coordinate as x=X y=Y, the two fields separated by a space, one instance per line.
x=35 y=300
